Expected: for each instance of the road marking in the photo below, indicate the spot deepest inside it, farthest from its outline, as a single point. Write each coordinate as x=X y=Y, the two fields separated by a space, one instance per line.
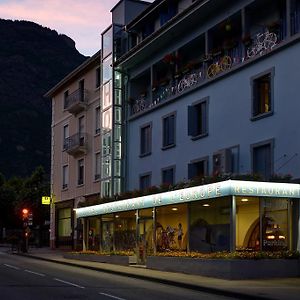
x=69 y=283
x=12 y=267
x=36 y=273
x=111 y=296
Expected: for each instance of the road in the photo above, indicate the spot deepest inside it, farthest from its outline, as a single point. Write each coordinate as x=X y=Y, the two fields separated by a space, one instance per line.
x=27 y=278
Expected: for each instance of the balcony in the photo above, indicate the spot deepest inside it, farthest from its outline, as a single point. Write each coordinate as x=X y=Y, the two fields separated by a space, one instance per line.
x=76 y=102
x=76 y=144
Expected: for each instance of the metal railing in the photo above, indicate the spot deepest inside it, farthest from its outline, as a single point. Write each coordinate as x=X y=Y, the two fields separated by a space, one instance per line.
x=74 y=142
x=77 y=97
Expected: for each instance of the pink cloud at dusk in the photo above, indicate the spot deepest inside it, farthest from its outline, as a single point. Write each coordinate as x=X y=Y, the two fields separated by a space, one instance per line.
x=83 y=21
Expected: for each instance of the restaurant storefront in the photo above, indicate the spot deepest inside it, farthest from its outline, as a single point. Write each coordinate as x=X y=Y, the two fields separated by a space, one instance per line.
x=225 y=216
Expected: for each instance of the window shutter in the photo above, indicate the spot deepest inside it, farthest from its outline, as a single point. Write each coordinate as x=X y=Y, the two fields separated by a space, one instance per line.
x=191 y=171
x=192 y=121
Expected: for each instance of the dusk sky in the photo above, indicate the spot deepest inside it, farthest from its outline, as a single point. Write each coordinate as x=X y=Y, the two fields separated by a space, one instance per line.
x=81 y=20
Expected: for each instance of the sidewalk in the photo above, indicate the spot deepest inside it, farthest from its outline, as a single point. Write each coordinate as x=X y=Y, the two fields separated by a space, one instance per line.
x=287 y=288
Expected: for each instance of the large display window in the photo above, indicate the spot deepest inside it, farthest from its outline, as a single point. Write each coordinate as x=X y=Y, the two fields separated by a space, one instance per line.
x=210 y=225
x=171 y=227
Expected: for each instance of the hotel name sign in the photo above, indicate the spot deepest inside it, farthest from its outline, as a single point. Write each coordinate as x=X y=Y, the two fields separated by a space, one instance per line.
x=214 y=190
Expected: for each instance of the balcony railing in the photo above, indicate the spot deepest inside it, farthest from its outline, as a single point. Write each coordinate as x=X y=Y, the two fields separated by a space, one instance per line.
x=76 y=102
x=76 y=144
x=212 y=66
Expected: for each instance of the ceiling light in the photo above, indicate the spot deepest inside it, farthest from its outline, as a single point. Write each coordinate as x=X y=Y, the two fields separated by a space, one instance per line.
x=174 y=208
x=206 y=205
x=245 y=200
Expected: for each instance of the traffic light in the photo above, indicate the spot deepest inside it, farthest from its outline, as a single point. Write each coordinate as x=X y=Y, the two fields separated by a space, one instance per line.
x=25 y=213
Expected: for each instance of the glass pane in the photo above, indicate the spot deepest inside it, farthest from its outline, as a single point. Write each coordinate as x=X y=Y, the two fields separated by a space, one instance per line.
x=118 y=97
x=107 y=42
x=118 y=115
x=247 y=223
x=107 y=95
x=107 y=69
x=94 y=234
x=125 y=230
x=106 y=144
x=107 y=119
x=105 y=188
x=107 y=232
x=275 y=224
x=117 y=167
x=118 y=80
x=106 y=167
x=118 y=133
x=117 y=185
x=210 y=225
x=118 y=150
x=171 y=228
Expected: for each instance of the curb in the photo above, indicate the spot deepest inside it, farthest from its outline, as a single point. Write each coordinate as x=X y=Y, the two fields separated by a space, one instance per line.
x=210 y=290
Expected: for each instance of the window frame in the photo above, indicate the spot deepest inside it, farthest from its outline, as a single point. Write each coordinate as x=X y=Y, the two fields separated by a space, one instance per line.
x=97 y=120
x=145 y=175
x=79 y=182
x=166 y=146
x=192 y=111
x=253 y=79
x=173 y=167
x=204 y=159
x=97 y=175
x=146 y=153
x=65 y=177
x=270 y=142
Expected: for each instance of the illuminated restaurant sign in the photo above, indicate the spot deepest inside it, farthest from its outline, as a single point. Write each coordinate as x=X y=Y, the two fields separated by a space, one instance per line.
x=203 y=192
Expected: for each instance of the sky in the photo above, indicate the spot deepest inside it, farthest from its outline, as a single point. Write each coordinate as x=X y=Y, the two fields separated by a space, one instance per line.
x=81 y=20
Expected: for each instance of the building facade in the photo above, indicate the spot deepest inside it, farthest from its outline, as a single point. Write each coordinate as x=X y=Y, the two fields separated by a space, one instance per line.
x=76 y=145
x=207 y=90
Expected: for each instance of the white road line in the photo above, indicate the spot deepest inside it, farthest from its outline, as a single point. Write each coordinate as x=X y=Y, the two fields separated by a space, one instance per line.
x=12 y=267
x=69 y=283
x=35 y=273
x=111 y=296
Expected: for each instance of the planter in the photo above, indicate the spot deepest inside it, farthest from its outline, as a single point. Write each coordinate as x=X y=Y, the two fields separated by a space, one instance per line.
x=227 y=268
x=109 y=259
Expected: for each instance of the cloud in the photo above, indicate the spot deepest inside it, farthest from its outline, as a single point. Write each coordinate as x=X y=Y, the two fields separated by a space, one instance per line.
x=83 y=21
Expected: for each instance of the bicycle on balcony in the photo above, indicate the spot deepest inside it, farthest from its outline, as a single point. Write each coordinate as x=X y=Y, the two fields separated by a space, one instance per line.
x=139 y=105
x=187 y=81
x=264 y=42
x=223 y=64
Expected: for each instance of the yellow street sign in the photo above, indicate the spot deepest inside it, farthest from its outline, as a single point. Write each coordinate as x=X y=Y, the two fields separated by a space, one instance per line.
x=46 y=200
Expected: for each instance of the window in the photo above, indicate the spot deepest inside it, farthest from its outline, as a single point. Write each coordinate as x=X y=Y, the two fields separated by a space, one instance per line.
x=198 y=119
x=262 y=94
x=145 y=181
x=97 y=120
x=66 y=94
x=64 y=222
x=198 y=168
x=145 y=139
x=80 y=171
x=97 y=165
x=98 y=77
x=81 y=90
x=168 y=176
x=81 y=130
x=169 y=131
x=65 y=179
x=65 y=136
x=262 y=159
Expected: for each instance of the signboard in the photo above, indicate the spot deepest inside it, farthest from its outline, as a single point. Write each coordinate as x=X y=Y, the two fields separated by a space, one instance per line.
x=46 y=200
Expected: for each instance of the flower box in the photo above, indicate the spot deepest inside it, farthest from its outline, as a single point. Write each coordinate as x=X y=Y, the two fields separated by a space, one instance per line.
x=227 y=268
x=109 y=259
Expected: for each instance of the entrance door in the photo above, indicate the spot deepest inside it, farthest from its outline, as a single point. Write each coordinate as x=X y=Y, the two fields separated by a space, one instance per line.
x=144 y=239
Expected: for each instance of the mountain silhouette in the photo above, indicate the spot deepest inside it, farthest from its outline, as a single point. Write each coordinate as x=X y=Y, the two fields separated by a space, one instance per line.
x=33 y=59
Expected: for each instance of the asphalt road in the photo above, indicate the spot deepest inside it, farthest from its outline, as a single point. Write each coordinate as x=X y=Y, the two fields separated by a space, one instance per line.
x=26 y=278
